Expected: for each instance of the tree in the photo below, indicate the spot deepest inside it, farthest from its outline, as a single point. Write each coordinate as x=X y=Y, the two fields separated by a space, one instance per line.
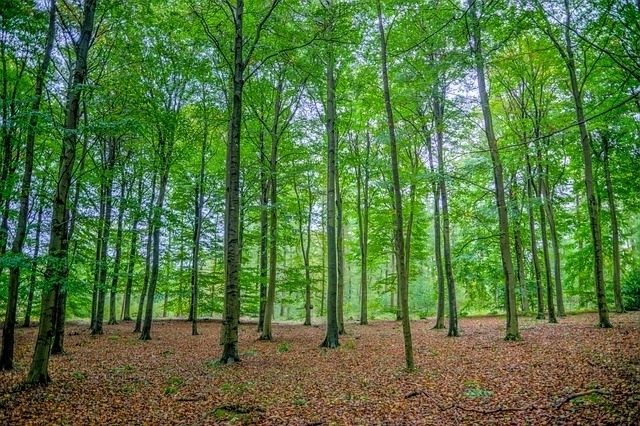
x=512 y=332
x=6 y=357
x=56 y=268
x=403 y=285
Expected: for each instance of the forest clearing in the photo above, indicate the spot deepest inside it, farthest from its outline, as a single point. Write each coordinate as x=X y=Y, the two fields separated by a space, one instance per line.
x=565 y=373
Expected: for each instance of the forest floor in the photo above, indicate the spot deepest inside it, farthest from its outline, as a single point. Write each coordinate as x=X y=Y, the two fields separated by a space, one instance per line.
x=566 y=373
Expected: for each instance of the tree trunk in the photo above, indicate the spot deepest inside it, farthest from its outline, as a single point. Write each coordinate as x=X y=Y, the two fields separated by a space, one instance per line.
x=512 y=332
x=397 y=201
x=8 y=331
x=331 y=339
x=165 y=148
x=116 y=261
x=34 y=270
x=615 y=233
x=555 y=244
x=534 y=244
x=545 y=251
x=133 y=250
x=305 y=244
x=437 y=234
x=147 y=262
x=264 y=230
x=197 y=234
x=56 y=269
x=340 y=254
x=362 y=183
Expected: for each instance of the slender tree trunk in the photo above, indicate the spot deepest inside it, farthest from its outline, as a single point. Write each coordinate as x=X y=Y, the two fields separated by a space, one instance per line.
x=555 y=244
x=264 y=232
x=362 y=181
x=165 y=148
x=340 y=254
x=8 y=330
x=512 y=332
x=305 y=244
x=615 y=233
x=34 y=270
x=147 y=265
x=331 y=339
x=56 y=269
x=534 y=244
x=118 y=257
x=545 y=251
x=437 y=234
x=567 y=54
x=133 y=249
x=197 y=233
x=397 y=201
x=518 y=245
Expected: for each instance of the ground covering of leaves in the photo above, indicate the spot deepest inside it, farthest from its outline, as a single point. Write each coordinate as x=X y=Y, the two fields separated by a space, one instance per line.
x=566 y=373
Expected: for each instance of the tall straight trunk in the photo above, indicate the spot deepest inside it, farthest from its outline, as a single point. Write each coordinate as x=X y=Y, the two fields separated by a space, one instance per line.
x=534 y=243
x=615 y=233
x=305 y=245
x=331 y=339
x=106 y=232
x=362 y=205
x=340 y=254
x=555 y=243
x=72 y=218
x=273 y=218
x=518 y=245
x=133 y=249
x=118 y=257
x=197 y=234
x=437 y=235
x=34 y=270
x=264 y=229
x=403 y=286
x=438 y=108
x=149 y=254
x=567 y=54
x=512 y=332
x=165 y=148
x=56 y=270
x=98 y=259
x=545 y=251
x=8 y=330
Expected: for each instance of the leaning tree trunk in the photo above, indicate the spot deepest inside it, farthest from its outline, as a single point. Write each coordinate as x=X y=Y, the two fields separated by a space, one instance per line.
x=512 y=332
x=56 y=269
x=8 y=330
x=397 y=201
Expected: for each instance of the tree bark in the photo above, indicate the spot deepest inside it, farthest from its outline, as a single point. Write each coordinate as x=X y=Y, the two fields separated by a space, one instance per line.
x=534 y=243
x=340 y=254
x=362 y=194
x=118 y=257
x=133 y=250
x=264 y=232
x=149 y=254
x=56 y=269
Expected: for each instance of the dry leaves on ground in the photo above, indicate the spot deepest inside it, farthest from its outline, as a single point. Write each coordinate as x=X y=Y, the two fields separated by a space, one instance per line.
x=566 y=373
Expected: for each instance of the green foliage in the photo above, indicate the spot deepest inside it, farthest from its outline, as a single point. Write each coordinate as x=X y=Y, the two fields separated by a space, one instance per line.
x=631 y=290
x=283 y=347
